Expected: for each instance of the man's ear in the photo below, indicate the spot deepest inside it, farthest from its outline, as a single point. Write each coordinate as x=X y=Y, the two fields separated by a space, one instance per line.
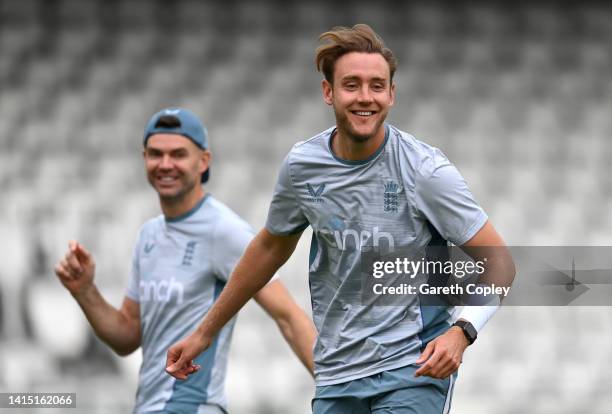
x=328 y=92
x=205 y=160
x=392 y=92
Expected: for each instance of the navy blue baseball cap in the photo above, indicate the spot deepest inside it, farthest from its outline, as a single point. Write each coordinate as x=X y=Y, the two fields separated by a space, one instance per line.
x=187 y=124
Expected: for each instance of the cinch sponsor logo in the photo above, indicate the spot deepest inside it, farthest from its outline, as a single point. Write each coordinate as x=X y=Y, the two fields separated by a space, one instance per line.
x=161 y=291
x=315 y=193
x=349 y=238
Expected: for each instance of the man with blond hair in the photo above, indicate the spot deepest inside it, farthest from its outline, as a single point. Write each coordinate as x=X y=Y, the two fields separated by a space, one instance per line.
x=361 y=185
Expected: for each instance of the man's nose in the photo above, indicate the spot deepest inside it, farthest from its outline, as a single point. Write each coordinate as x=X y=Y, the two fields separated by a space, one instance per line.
x=365 y=94
x=166 y=162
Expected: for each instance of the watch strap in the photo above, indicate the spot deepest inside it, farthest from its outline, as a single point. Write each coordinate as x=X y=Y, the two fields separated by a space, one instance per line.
x=468 y=330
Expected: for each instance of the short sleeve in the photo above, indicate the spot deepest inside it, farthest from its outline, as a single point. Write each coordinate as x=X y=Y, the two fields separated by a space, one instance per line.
x=231 y=239
x=443 y=197
x=133 y=287
x=285 y=215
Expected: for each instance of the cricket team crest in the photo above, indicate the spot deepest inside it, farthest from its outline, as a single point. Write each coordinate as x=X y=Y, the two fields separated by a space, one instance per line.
x=189 y=250
x=391 y=199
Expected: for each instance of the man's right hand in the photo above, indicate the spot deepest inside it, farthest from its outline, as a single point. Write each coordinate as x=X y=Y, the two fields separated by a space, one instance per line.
x=262 y=258
x=76 y=270
x=179 y=362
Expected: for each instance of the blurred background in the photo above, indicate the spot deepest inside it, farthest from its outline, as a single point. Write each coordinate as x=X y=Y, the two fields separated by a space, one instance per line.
x=517 y=94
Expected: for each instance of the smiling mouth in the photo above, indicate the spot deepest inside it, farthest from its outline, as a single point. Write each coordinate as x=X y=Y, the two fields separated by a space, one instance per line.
x=363 y=113
x=166 y=179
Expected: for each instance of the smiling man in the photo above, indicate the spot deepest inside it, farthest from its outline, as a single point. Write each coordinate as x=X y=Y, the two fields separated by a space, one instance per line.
x=364 y=185
x=181 y=262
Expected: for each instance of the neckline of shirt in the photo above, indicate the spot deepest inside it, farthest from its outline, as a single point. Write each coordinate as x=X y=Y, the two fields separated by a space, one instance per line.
x=188 y=213
x=357 y=162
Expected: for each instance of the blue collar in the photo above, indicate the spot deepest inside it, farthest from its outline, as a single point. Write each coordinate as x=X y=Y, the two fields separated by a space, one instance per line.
x=358 y=162
x=188 y=213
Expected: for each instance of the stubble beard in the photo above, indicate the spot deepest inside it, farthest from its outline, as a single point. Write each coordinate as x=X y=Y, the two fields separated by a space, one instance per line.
x=344 y=126
x=179 y=196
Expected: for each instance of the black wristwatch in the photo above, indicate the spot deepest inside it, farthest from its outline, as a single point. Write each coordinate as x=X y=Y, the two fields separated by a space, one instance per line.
x=468 y=330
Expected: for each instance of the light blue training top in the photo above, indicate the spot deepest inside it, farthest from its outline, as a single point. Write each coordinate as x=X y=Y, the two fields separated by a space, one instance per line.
x=179 y=268
x=400 y=199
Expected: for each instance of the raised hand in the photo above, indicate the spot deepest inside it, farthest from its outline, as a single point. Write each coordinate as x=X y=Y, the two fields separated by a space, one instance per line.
x=76 y=270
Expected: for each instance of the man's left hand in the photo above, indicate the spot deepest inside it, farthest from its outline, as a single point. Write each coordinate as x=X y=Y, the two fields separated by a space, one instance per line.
x=442 y=356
